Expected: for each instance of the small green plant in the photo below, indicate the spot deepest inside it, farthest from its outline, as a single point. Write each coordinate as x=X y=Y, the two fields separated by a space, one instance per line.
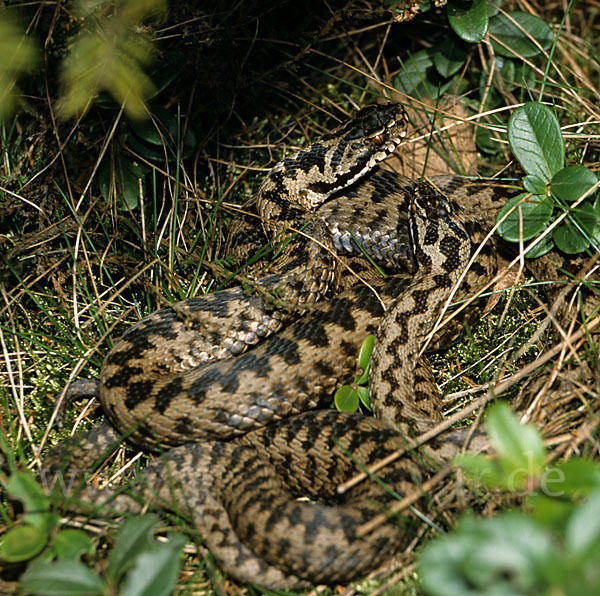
x=137 y=564
x=554 y=193
x=434 y=71
x=26 y=541
x=348 y=397
x=554 y=549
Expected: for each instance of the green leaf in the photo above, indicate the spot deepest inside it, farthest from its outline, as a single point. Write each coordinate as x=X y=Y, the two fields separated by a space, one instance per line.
x=579 y=476
x=71 y=544
x=513 y=554
x=135 y=536
x=520 y=447
x=450 y=56
x=167 y=70
x=550 y=511
x=532 y=212
x=582 y=535
x=366 y=349
x=128 y=182
x=61 y=578
x=480 y=469
x=536 y=141
x=484 y=140
x=418 y=76
x=155 y=571
x=23 y=487
x=363 y=395
x=515 y=40
x=151 y=137
x=110 y=56
x=504 y=556
x=562 y=486
x=19 y=55
x=22 y=543
x=346 y=399
x=545 y=245
x=572 y=182
x=534 y=185
x=573 y=235
x=469 y=19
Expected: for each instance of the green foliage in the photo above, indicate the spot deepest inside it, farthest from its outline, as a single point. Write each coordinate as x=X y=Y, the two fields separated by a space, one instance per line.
x=536 y=141
x=137 y=565
x=469 y=20
x=18 y=56
x=521 y=454
x=158 y=140
x=22 y=543
x=432 y=71
x=511 y=34
x=127 y=178
x=348 y=397
x=109 y=54
x=553 y=551
x=64 y=577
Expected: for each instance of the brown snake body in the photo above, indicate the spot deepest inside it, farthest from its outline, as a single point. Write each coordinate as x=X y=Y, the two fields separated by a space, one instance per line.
x=240 y=442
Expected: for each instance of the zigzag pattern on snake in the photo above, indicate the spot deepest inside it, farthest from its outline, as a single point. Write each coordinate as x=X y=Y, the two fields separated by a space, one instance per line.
x=241 y=444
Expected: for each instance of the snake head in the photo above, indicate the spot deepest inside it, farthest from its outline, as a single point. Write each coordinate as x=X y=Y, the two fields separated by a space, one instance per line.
x=341 y=157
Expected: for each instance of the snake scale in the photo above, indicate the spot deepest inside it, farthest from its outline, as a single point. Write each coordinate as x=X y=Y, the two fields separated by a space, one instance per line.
x=235 y=391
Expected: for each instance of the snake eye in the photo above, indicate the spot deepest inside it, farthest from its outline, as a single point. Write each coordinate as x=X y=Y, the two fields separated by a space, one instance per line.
x=379 y=139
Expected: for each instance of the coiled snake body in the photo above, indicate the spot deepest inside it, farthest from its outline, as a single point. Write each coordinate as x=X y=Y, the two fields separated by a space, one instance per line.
x=241 y=444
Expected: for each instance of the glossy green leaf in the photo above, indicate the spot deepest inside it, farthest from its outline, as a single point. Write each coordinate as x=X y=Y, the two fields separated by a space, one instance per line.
x=486 y=140
x=135 y=536
x=72 y=543
x=418 y=76
x=22 y=543
x=156 y=570
x=534 y=185
x=156 y=139
x=573 y=235
x=520 y=447
x=480 y=469
x=450 y=56
x=346 y=399
x=580 y=476
x=533 y=213
x=502 y=556
x=572 y=182
x=515 y=39
x=37 y=507
x=128 y=182
x=363 y=395
x=468 y=18
x=536 y=141
x=61 y=578
x=366 y=349
x=545 y=245
x=583 y=532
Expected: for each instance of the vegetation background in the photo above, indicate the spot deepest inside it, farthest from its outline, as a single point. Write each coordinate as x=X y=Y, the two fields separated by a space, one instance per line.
x=133 y=131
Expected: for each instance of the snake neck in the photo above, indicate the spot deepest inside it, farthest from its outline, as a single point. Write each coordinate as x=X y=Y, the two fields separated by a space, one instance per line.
x=451 y=267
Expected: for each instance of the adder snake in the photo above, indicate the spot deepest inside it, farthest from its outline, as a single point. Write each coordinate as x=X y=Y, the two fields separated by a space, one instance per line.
x=224 y=382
